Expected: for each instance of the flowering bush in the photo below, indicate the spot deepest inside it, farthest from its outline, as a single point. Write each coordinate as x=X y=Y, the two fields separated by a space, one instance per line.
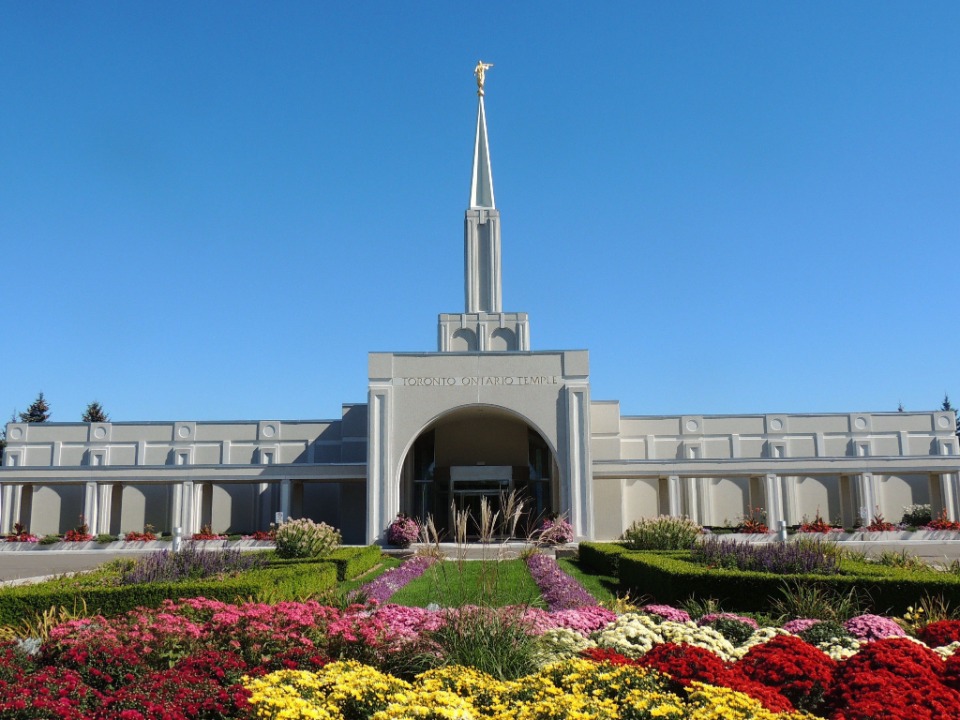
x=873 y=627
x=190 y=563
x=917 y=515
x=817 y=525
x=304 y=538
x=878 y=524
x=794 y=557
x=893 y=678
x=797 y=670
x=146 y=536
x=262 y=535
x=403 y=531
x=940 y=633
x=942 y=523
x=661 y=533
x=667 y=612
x=81 y=533
x=754 y=522
x=20 y=534
x=556 y=531
x=206 y=533
x=559 y=590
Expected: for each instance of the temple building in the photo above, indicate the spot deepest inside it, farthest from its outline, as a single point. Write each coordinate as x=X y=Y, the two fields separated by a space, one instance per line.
x=481 y=416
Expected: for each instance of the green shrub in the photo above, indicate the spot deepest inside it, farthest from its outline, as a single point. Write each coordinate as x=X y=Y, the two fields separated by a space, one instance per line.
x=304 y=538
x=661 y=533
x=803 y=600
x=496 y=643
x=289 y=582
x=601 y=558
x=50 y=539
x=672 y=577
x=104 y=538
x=917 y=515
x=824 y=632
x=352 y=562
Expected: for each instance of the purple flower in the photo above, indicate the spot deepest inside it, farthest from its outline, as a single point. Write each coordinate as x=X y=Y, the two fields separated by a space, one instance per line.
x=873 y=627
x=710 y=617
x=559 y=590
x=383 y=588
x=667 y=613
x=798 y=626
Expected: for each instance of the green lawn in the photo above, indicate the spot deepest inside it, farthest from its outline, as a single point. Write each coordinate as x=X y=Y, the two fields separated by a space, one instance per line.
x=476 y=582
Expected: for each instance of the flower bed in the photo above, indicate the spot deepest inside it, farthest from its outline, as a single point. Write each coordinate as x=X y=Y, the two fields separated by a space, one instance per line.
x=199 y=659
x=559 y=590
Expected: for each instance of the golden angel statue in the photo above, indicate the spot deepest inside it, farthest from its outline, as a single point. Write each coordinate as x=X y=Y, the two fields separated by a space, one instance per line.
x=480 y=71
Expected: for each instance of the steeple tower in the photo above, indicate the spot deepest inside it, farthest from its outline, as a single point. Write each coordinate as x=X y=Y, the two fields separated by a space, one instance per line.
x=483 y=325
x=482 y=229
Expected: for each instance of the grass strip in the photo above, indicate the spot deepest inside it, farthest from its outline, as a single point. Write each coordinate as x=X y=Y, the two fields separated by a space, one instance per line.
x=602 y=587
x=475 y=582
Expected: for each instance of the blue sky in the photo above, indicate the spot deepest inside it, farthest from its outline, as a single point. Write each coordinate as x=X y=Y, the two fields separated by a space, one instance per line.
x=215 y=210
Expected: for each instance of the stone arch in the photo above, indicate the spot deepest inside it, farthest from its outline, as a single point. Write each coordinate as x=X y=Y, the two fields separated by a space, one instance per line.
x=463 y=340
x=479 y=451
x=503 y=339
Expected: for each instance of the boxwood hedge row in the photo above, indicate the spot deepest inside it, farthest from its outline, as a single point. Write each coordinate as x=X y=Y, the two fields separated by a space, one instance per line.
x=673 y=577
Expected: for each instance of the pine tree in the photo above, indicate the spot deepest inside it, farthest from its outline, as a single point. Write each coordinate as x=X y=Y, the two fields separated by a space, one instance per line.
x=38 y=412
x=945 y=405
x=94 y=413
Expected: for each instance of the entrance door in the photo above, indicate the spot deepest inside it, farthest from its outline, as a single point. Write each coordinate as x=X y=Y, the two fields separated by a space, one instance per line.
x=475 y=454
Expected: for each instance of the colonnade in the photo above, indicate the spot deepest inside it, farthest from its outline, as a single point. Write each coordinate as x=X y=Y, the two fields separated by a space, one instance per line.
x=100 y=503
x=861 y=498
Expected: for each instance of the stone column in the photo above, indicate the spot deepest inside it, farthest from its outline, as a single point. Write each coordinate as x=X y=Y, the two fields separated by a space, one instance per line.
x=90 y=505
x=674 y=504
x=10 y=507
x=866 y=498
x=773 y=491
x=188 y=508
x=383 y=492
x=578 y=498
x=691 y=492
x=105 y=507
x=285 y=498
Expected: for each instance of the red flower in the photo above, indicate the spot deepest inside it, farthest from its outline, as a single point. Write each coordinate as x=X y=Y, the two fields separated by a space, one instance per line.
x=795 y=668
x=940 y=633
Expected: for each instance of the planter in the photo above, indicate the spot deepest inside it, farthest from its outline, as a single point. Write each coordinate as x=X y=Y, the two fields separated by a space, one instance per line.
x=133 y=546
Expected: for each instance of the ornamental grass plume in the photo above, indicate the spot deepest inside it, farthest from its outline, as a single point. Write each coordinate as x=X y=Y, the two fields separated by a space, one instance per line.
x=304 y=538
x=661 y=533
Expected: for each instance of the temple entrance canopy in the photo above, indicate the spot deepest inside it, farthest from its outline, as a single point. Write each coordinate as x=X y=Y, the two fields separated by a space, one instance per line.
x=475 y=453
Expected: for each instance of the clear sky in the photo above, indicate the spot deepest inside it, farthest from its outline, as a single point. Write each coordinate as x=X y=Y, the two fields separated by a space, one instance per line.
x=214 y=210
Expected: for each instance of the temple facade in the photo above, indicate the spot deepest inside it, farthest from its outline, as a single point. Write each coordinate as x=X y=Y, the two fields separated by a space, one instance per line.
x=481 y=416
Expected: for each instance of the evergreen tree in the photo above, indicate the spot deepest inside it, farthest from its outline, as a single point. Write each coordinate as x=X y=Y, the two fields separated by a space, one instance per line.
x=38 y=412
x=95 y=413
x=945 y=405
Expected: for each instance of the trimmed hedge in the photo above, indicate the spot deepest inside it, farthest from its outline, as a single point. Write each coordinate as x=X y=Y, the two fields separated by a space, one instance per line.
x=289 y=582
x=671 y=578
x=352 y=562
x=602 y=558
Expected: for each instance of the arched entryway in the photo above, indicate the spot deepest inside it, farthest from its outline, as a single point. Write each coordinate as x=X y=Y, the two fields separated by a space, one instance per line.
x=479 y=452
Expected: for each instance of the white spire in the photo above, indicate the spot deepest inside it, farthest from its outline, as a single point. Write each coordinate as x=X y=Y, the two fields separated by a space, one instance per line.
x=481 y=184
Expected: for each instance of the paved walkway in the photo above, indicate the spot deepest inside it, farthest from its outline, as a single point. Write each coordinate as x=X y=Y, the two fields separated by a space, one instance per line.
x=20 y=565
